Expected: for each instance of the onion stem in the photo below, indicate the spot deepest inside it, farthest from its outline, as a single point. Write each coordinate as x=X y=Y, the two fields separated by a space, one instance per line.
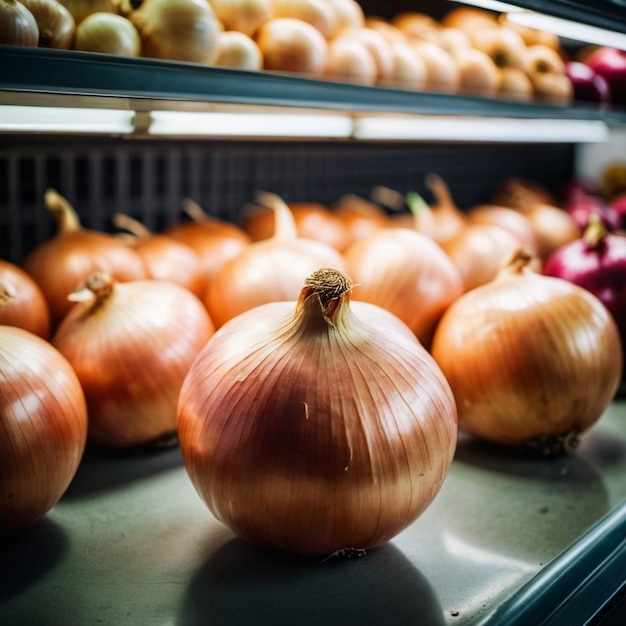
x=64 y=213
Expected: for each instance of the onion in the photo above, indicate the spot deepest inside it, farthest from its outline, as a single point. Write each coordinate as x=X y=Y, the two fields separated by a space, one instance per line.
x=56 y=24
x=312 y=220
x=341 y=436
x=291 y=45
x=619 y=204
x=532 y=360
x=478 y=252
x=239 y=51
x=43 y=428
x=504 y=217
x=131 y=345
x=445 y=221
x=377 y=46
x=165 y=258
x=318 y=13
x=597 y=262
x=360 y=216
x=269 y=270
x=350 y=61
x=80 y=9
x=552 y=226
x=214 y=241
x=243 y=16
x=19 y=26
x=581 y=205
x=406 y=273
x=22 y=302
x=178 y=30
x=108 y=33
x=348 y=14
x=74 y=252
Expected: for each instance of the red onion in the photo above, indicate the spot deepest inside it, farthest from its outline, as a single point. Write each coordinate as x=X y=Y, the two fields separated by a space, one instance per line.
x=581 y=205
x=619 y=204
x=597 y=262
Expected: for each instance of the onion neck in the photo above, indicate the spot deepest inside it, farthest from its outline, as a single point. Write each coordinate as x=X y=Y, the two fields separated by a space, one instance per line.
x=133 y=226
x=64 y=213
x=518 y=263
x=422 y=216
x=323 y=295
x=97 y=287
x=194 y=211
x=595 y=233
x=284 y=221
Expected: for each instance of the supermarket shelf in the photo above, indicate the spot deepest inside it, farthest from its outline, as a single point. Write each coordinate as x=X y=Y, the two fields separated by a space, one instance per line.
x=31 y=76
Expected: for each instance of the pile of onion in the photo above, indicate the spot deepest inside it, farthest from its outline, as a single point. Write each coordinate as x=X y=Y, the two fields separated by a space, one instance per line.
x=597 y=262
x=131 y=345
x=43 y=428
x=22 y=302
x=533 y=360
x=341 y=436
x=269 y=270
x=406 y=273
x=72 y=254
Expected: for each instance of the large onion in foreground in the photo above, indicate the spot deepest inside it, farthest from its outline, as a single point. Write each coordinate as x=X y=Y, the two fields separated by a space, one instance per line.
x=316 y=426
x=43 y=428
x=532 y=360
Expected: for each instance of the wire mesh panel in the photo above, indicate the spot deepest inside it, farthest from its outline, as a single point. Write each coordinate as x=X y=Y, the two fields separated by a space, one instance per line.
x=149 y=180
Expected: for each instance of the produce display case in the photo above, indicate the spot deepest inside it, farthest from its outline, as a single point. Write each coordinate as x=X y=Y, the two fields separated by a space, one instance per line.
x=509 y=539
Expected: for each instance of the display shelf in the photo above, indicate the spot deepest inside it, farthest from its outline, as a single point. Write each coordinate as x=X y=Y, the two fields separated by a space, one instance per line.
x=30 y=76
x=508 y=540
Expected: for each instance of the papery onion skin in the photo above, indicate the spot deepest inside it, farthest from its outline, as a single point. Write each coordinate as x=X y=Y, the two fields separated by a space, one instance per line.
x=43 y=428
x=131 y=348
x=532 y=360
x=314 y=427
x=22 y=302
x=406 y=273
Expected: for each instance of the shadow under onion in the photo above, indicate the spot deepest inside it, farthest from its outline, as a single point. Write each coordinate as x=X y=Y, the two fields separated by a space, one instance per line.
x=242 y=584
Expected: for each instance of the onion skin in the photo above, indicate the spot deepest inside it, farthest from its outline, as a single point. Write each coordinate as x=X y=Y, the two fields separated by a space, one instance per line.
x=43 y=428
x=131 y=346
x=346 y=455
x=22 y=302
x=532 y=360
x=406 y=273
x=596 y=262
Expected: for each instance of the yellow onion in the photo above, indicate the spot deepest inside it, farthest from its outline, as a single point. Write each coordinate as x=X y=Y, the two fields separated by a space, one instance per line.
x=56 y=24
x=22 y=302
x=406 y=273
x=269 y=270
x=360 y=216
x=108 y=33
x=532 y=360
x=319 y=425
x=131 y=345
x=43 y=428
x=19 y=26
x=215 y=241
x=72 y=254
x=313 y=221
x=242 y=16
x=178 y=30
x=444 y=221
x=80 y=9
x=165 y=258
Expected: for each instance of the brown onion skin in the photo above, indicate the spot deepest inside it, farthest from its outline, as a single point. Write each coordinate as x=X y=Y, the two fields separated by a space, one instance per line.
x=406 y=273
x=131 y=351
x=22 y=302
x=43 y=428
x=340 y=437
x=529 y=357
